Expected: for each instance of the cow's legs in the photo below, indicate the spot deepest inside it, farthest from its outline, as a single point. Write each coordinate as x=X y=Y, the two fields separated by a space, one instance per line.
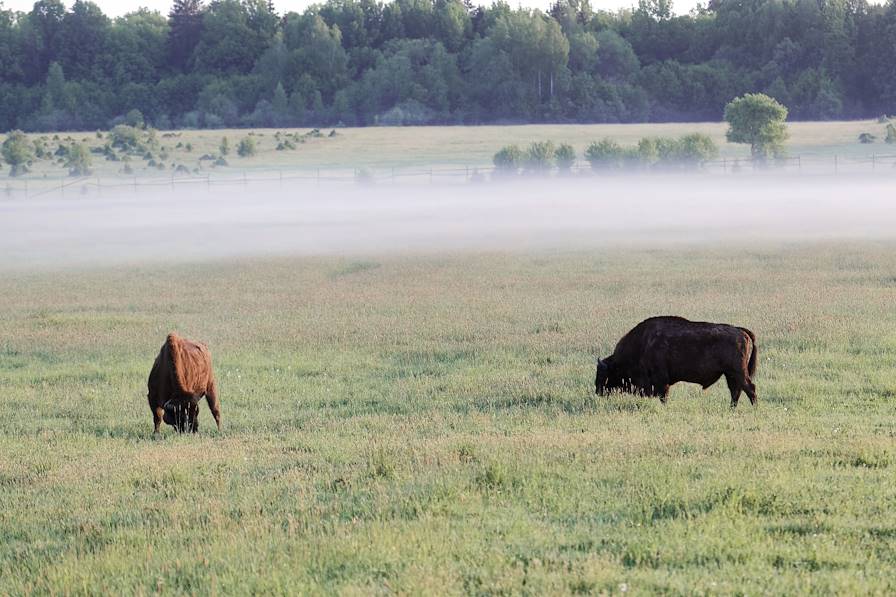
x=193 y=417
x=211 y=396
x=750 y=389
x=734 y=385
x=158 y=413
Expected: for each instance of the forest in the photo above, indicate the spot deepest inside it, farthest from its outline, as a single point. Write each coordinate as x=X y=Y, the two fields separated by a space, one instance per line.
x=241 y=63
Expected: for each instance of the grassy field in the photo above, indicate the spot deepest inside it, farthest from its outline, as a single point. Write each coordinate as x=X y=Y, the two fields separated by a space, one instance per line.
x=427 y=424
x=425 y=147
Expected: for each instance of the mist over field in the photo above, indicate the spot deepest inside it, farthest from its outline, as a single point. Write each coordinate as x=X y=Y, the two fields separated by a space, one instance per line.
x=197 y=223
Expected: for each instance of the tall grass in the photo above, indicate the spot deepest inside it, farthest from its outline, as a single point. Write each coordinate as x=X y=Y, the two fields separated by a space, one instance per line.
x=428 y=424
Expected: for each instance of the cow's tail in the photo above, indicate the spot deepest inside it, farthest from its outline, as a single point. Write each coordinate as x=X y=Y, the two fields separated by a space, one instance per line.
x=751 y=366
x=176 y=348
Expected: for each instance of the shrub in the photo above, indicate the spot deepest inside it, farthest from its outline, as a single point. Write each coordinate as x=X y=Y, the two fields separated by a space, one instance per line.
x=891 y=134
x=566 y=157
x=78 y=160
x=125 y=137
x=540 y=157
x=604 y=154
x=508 y=159
x=17 y=152
x=225 y=146
x=246 y=148
x=867 y=138
x=696 y=148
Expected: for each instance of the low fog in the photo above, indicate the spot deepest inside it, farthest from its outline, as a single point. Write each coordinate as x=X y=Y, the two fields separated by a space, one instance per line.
x=193 y=222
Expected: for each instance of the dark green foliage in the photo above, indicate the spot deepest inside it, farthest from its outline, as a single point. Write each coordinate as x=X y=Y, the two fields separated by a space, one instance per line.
x=867 y=138
x=508 y=160
x=605 y=154
x=237 y=63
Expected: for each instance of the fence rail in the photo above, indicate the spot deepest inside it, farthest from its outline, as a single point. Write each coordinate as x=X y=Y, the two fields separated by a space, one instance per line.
x=32 y=187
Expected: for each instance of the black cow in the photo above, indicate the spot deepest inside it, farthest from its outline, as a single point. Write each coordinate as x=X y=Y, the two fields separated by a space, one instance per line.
x=662 y=351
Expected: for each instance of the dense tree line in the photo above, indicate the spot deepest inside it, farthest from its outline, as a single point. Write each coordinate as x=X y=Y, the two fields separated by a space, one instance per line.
x=361 y=62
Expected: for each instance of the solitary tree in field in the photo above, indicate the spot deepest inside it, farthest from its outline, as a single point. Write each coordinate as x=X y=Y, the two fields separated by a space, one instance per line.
x=17 y=151
x=757 y=119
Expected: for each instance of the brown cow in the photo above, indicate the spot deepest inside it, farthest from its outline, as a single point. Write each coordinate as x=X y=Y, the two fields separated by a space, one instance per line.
x=661 y=351
x=181 y=375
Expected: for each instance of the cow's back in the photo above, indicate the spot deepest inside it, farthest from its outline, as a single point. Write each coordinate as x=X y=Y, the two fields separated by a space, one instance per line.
x=683 y=350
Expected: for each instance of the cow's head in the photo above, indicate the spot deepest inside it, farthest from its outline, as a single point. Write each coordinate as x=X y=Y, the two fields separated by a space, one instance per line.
x=177 y=414
x=607 y=378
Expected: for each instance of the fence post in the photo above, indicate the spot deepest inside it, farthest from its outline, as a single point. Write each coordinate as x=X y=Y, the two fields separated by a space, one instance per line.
x=430 y=176
x=245 y=182
x=281 y=179
x=393 y=175
x=135 y=185
x=799 y=162
x=724 y=165
x=318 y=177
x=835 y=163
x=873 y=164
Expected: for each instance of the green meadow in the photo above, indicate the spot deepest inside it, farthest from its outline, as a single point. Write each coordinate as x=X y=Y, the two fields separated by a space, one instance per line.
x=427 y=424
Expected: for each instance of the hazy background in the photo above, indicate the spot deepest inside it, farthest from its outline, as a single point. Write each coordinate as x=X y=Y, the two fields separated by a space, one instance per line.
x=194 y=224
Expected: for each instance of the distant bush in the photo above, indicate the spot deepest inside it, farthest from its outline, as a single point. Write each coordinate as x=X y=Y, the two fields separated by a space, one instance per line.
x=883 y=119
x=685 y=152
x=565 y=157
x=604 y=154
x=540 y=157
x=78 y=160
x=125 y=137
x=891 y=134
x=247 y=147
x=508 y=159
x=867 y=138
x=696 y=148
x=17 y=151
x=224 y=147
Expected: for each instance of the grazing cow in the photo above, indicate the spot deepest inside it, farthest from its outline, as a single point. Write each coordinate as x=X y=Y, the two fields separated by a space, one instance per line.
x=181 y=375
x=661 y=351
